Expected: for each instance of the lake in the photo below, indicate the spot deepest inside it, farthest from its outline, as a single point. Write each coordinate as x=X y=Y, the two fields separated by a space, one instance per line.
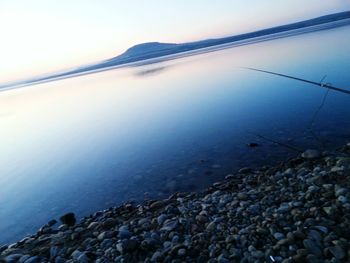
x=91 y=142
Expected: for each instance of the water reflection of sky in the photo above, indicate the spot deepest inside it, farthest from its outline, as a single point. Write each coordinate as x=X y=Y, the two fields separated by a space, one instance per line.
x=90 y=142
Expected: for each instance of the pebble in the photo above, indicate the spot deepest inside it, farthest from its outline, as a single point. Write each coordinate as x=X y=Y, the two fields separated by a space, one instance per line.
x=244 y=170
x=311 y=154
x=13 y=258
x=278 y=236
x=156 y=256
x=34 y=259
x=342 y=199
x=83 y=258
x=337 y=252
x=124 y=234
x=312 y=247
x=161 y=219
x=169 y=225
x=211 y=226
x=341 y=191
x=181 y=252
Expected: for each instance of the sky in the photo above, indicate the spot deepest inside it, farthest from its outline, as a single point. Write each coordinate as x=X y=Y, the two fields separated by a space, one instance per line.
x=42 y=36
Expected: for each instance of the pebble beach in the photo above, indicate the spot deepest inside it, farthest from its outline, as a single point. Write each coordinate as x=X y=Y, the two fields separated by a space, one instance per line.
x=297 y=211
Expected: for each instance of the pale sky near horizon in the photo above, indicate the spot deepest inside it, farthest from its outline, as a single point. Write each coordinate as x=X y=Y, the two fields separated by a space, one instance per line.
x=40 y=36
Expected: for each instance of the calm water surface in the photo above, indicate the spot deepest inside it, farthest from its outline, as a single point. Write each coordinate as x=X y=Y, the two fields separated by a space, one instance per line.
x=95 y=141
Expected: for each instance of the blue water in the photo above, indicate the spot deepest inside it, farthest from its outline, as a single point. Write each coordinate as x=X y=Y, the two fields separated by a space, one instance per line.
x=95 y=141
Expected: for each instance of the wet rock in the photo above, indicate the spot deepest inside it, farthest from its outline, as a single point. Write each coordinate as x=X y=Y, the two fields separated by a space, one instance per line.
x=211 y=226
x=322 y=229
x=278 y=236
x=181 y=252
x=311 y=154
x=157 y=205
x=169 y=225
x=244 y=170
x=257 y=254
x=83 y=258
x=54 y=251
x=341 y=191
x=52 y=222
x=156 y=256
x=13 y=258
x=34 y=259
x=23 y=258
x=109 y=223
x=109 y=234
x=242 y=196
x=161 y=219
x=337 y=252
x=223 y=259
x=68 y=219
x=312 y=247
x=93 y=225
x=123 y=232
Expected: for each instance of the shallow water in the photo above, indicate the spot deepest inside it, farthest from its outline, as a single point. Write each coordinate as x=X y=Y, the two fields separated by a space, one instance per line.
x=95 y=141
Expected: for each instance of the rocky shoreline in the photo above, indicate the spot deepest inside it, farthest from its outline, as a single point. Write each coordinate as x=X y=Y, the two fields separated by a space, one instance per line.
x=298 y=211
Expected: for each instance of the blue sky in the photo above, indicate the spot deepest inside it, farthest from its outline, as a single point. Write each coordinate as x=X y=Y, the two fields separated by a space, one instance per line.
x=39 y=36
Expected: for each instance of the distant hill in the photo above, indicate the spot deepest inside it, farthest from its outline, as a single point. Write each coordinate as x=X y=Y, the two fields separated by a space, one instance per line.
x=153 y=50
x=144 y=48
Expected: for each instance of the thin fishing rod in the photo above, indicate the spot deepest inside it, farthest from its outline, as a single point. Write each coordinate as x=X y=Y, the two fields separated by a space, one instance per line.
x=327 y=86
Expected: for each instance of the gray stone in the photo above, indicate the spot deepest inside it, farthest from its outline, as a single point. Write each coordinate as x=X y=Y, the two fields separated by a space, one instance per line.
x=76 y=253
x=279 y=236
x=311 y=154
x=161 y=219
x=93 y=225
x=341 y=191
x=54 y=251
x=342 y=199
x=156 y=256
x=109 y=222
x=106 y=243
x=34 y=259
x=181 y=252
x=337 y=252
x=223 y=259
x=23 y=258
x=52 y=222
x=13 y=258
x=105 y=235
x=68 y=219
x=124 y=234
x=315 y=235
x=312 y=247
x=60 y=260
x=322 y=229
x=169 y=225
x=244 y=170
x=242 y=196
x=211 y=226
x=83 y=258
x=258 y=254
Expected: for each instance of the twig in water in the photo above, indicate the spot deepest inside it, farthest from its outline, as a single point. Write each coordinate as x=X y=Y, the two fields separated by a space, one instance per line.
x=280 y=143
x=311 y=125
x=320 y=84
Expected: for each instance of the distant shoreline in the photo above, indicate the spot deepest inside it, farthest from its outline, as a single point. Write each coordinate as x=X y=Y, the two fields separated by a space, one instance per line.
x=115 y=63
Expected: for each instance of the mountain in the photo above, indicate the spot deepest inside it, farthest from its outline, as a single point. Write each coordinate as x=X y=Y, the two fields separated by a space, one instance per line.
x=153 y=50
x=143 y=48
